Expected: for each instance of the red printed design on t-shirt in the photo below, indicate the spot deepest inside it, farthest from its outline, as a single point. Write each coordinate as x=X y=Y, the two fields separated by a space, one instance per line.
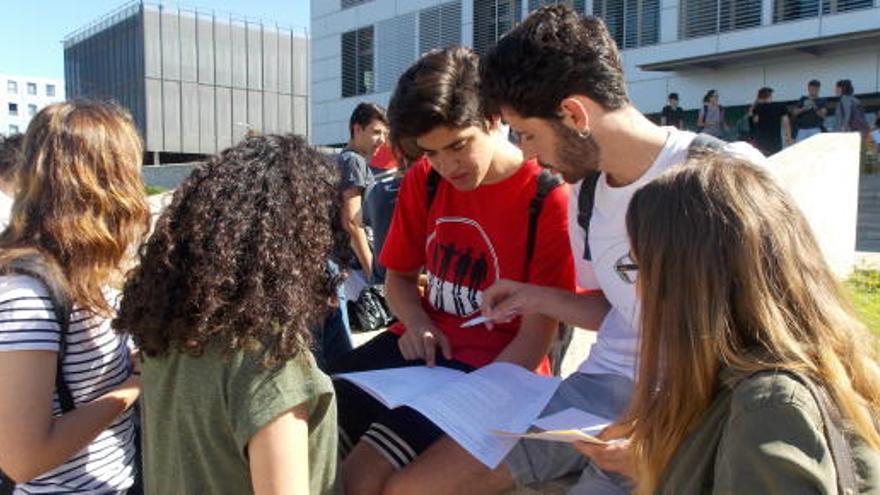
x=468 y=241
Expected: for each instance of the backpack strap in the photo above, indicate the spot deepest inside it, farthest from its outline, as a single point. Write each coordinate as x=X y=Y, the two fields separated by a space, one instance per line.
x=431 y=186
x=841 y=452
x=547 y=182
x=703 y=142
x=36 y=266
x=586 y=200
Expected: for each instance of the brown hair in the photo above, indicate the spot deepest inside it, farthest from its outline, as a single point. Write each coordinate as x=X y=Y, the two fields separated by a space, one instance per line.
x=748 y=291
x=553 y=54
x=363 y=114
x=81 y=201
x=10 y=155
x=238 y=259
x=440 y=89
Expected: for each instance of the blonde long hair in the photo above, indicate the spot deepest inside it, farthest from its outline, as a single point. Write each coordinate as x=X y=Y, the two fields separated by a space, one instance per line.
x=730 y=275
x=80 y=201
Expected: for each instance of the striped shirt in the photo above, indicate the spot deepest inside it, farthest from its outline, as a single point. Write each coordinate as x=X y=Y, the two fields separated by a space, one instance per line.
x=95 y=361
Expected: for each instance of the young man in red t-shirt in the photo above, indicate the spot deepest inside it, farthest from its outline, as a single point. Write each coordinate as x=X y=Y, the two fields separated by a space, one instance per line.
x=462 y=217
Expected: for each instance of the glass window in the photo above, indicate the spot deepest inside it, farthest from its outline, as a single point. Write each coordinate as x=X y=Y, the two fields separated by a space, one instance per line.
x=579 y=5
x=13 y=109
x=50 y=90
x=13 y=129
x=32 y=88
x=32 y=110
x=357 y=62
x=12 y=87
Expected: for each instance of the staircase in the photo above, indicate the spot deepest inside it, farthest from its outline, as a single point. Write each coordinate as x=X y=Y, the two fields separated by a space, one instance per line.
x=868 y=229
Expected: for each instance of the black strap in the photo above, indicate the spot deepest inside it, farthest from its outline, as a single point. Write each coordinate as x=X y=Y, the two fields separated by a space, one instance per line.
x=431 y=188
x=37 y=267
x=841 y=452
x=586 y=200
x=547 y=182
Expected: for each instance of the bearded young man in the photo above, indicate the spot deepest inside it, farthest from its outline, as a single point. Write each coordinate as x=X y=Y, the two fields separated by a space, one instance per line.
x=557 y=80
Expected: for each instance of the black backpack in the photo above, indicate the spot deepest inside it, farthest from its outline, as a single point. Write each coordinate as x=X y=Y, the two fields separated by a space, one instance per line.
x=547 y=182
x=36 y=266
x=587 y=194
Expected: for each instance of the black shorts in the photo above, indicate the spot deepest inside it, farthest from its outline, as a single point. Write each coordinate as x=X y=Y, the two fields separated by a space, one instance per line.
x=399 y=434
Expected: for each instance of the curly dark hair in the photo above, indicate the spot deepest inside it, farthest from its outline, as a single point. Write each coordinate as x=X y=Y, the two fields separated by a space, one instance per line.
x=238 y=259
x=553 y=54
x=441 y=89
x=11 y=154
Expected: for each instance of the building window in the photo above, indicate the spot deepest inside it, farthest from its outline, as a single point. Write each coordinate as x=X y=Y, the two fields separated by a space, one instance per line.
x=707 y=17
x=13 y=109
x=357 y=62
x=32 y=110
x=440 y=26
x=13 y=129
x=578 y=5
x=32 y=88
x=50 y=90
x=12 y=87
x=790 y=10
x=632 y=23
x=346 y=4
x=493 y=18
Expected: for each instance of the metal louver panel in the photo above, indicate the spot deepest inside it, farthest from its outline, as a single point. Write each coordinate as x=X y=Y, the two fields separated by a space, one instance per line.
x=708 y=17
x=440 y=26
x=395 y=49
x=579 y=5
x=358 y=77
x=791 y=10
x=493 y=18
x=632 y=23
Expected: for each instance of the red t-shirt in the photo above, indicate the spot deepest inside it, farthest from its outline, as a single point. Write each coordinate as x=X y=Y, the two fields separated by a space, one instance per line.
x=468 y=241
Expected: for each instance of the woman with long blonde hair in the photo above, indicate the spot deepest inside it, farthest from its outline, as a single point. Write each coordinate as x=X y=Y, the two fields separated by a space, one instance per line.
x=744 y=330
x=66 y=378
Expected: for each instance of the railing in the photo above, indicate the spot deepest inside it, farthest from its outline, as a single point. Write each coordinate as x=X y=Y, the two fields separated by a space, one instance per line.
x=790 y=10
x=708 y=17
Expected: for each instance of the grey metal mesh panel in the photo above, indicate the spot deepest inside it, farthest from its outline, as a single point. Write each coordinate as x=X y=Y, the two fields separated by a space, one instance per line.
x=440 y=26
x=395 y=49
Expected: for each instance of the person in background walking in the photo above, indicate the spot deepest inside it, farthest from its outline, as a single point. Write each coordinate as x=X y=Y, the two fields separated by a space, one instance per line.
x=711 y=118
x=769 y=122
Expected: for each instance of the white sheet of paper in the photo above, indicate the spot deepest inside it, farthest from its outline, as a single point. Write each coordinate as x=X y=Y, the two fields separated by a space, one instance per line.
x=573 y=419
x=565 y=436
x=500 y=396
x=397 y=386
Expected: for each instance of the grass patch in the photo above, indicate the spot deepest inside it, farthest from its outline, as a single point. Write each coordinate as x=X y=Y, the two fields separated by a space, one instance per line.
x=151 y=190
x=864 y=286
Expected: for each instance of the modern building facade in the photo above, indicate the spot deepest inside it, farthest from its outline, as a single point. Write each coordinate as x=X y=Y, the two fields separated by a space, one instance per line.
x=22 y=97
x=360 y=47
x=195 y=81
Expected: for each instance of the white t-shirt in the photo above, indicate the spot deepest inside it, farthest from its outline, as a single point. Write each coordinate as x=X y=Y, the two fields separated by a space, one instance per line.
x=617 y=342
x=5 y=210
x=96 y=359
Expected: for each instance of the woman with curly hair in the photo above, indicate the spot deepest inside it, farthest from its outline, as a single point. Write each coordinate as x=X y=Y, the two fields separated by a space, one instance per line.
x=755 y=375
x=66 y=381
x=221 y=303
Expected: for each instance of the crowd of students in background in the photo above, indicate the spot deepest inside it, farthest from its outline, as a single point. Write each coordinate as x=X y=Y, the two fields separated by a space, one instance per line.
x=771 y=125
x=727 y=354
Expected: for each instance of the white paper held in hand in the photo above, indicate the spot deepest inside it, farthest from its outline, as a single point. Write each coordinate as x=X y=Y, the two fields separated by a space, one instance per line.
x=475 y=321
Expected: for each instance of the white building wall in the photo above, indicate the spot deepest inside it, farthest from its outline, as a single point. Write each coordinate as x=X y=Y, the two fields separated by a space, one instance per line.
x=9 y=124
x=737 y=83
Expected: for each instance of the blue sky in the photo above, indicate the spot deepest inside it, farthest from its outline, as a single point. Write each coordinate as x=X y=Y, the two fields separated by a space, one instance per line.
x=31 y=30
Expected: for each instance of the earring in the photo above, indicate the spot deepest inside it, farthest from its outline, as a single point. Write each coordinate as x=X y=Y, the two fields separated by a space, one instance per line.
x=584 y=134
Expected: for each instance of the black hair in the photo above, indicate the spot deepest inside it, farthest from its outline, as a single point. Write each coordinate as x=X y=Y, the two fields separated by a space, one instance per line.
x=365 y=113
